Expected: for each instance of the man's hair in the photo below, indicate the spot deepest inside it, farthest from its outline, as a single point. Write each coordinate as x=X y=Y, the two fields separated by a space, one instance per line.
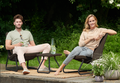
x=18 y=16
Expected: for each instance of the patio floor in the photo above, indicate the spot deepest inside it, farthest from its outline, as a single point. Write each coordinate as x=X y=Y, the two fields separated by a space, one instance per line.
x=34 y=77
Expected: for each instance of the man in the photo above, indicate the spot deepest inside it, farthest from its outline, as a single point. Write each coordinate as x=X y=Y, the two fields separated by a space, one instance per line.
x=21 y=41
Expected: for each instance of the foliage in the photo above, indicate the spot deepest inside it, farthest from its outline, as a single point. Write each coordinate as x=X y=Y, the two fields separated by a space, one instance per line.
x=5 y=26
x=66 y=34
x=112 y=43
x=111 y=61
x=98 y=70
x=1 y=46
x=107 y=62
x=111 y=3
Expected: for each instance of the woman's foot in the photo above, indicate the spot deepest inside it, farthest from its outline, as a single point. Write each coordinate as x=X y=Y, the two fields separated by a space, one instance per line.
x=66 y=52
x=57 y=72
x=59 y=69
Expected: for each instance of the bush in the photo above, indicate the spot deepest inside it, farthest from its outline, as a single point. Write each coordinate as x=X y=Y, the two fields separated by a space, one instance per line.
x=112 y=43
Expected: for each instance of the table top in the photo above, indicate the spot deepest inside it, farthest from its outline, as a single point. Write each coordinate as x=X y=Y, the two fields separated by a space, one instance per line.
x=49 y=54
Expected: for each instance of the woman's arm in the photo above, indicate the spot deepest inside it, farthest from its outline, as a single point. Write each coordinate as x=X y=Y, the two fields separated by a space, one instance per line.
x=110 y=32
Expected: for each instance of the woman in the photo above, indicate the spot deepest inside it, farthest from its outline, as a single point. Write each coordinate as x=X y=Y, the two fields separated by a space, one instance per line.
x=88 y=41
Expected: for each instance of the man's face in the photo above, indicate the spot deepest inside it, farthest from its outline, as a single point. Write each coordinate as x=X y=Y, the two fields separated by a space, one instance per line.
x=18 y=23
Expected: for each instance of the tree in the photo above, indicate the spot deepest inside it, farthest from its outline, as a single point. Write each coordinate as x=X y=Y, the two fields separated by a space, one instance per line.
x=98 y=7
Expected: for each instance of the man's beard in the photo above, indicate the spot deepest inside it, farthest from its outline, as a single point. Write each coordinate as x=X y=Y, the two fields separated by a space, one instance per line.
x=18 y=27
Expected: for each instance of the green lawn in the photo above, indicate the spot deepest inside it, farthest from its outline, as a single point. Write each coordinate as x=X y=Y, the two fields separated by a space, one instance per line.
x=72 y=65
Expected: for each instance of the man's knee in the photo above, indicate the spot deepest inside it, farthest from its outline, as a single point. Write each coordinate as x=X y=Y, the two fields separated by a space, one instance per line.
x=47 y=45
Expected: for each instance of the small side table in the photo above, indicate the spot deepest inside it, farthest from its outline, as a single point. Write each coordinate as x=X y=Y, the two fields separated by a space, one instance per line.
x=48 y=55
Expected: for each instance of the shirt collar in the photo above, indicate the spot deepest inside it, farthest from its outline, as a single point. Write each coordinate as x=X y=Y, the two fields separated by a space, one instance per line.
x=20 y=31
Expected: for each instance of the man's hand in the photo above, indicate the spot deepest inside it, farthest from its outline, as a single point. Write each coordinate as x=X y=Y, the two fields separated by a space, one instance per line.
x=19 y=44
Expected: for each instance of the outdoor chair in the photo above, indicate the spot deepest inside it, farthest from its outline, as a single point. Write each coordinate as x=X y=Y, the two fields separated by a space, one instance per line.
x=27 y=56
x=84 y=59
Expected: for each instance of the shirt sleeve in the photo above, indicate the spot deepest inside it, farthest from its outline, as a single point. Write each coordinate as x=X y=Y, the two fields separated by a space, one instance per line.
x=8 y=36
x=102 y=30
x=81 y=40
x=31 y=37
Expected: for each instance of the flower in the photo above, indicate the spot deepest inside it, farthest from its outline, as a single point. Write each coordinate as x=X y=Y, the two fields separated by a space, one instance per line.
x=98 y=62
x=111 y=1
x=118 y=5
x=97 y=67
x=98 y=70
x=107 y=62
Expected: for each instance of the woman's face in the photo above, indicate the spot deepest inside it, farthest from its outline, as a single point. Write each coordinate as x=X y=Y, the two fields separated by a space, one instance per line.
x=92 y=22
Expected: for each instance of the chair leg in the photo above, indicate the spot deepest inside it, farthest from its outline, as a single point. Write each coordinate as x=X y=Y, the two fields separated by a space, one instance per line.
x=79 y=70
x=38 y=60
x=82 y=70
x=6 y=64
x=41 y=64
x=56 y=62
x=68 y=71
x=16 y=65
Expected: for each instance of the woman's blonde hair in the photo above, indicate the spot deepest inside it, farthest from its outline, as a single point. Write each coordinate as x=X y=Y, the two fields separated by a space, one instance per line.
x=87 y=27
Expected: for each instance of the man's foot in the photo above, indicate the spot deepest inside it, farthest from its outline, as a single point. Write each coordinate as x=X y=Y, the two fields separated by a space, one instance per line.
x=43 y=69
x=66 y=52
x=25 y=71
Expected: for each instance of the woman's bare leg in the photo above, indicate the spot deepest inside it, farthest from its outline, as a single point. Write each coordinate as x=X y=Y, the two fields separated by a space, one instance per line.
x=59 y=69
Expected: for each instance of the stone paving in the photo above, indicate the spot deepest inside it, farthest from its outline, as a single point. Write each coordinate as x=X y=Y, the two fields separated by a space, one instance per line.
x=14 y=78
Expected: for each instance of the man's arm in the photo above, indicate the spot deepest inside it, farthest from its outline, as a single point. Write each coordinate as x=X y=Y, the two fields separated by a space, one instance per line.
x=9 y=46
x=32 y=43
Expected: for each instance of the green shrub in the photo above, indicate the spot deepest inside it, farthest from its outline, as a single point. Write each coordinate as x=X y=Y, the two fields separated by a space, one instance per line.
x=112 y=43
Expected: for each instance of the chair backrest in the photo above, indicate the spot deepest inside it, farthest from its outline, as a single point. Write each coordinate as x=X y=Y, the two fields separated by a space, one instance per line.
x=99 y=50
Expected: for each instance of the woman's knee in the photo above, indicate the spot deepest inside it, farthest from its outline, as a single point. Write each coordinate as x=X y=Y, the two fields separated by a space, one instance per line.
x=77 y=48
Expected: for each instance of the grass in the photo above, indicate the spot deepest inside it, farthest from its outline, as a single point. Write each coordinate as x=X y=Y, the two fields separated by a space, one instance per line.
x=34 y=62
